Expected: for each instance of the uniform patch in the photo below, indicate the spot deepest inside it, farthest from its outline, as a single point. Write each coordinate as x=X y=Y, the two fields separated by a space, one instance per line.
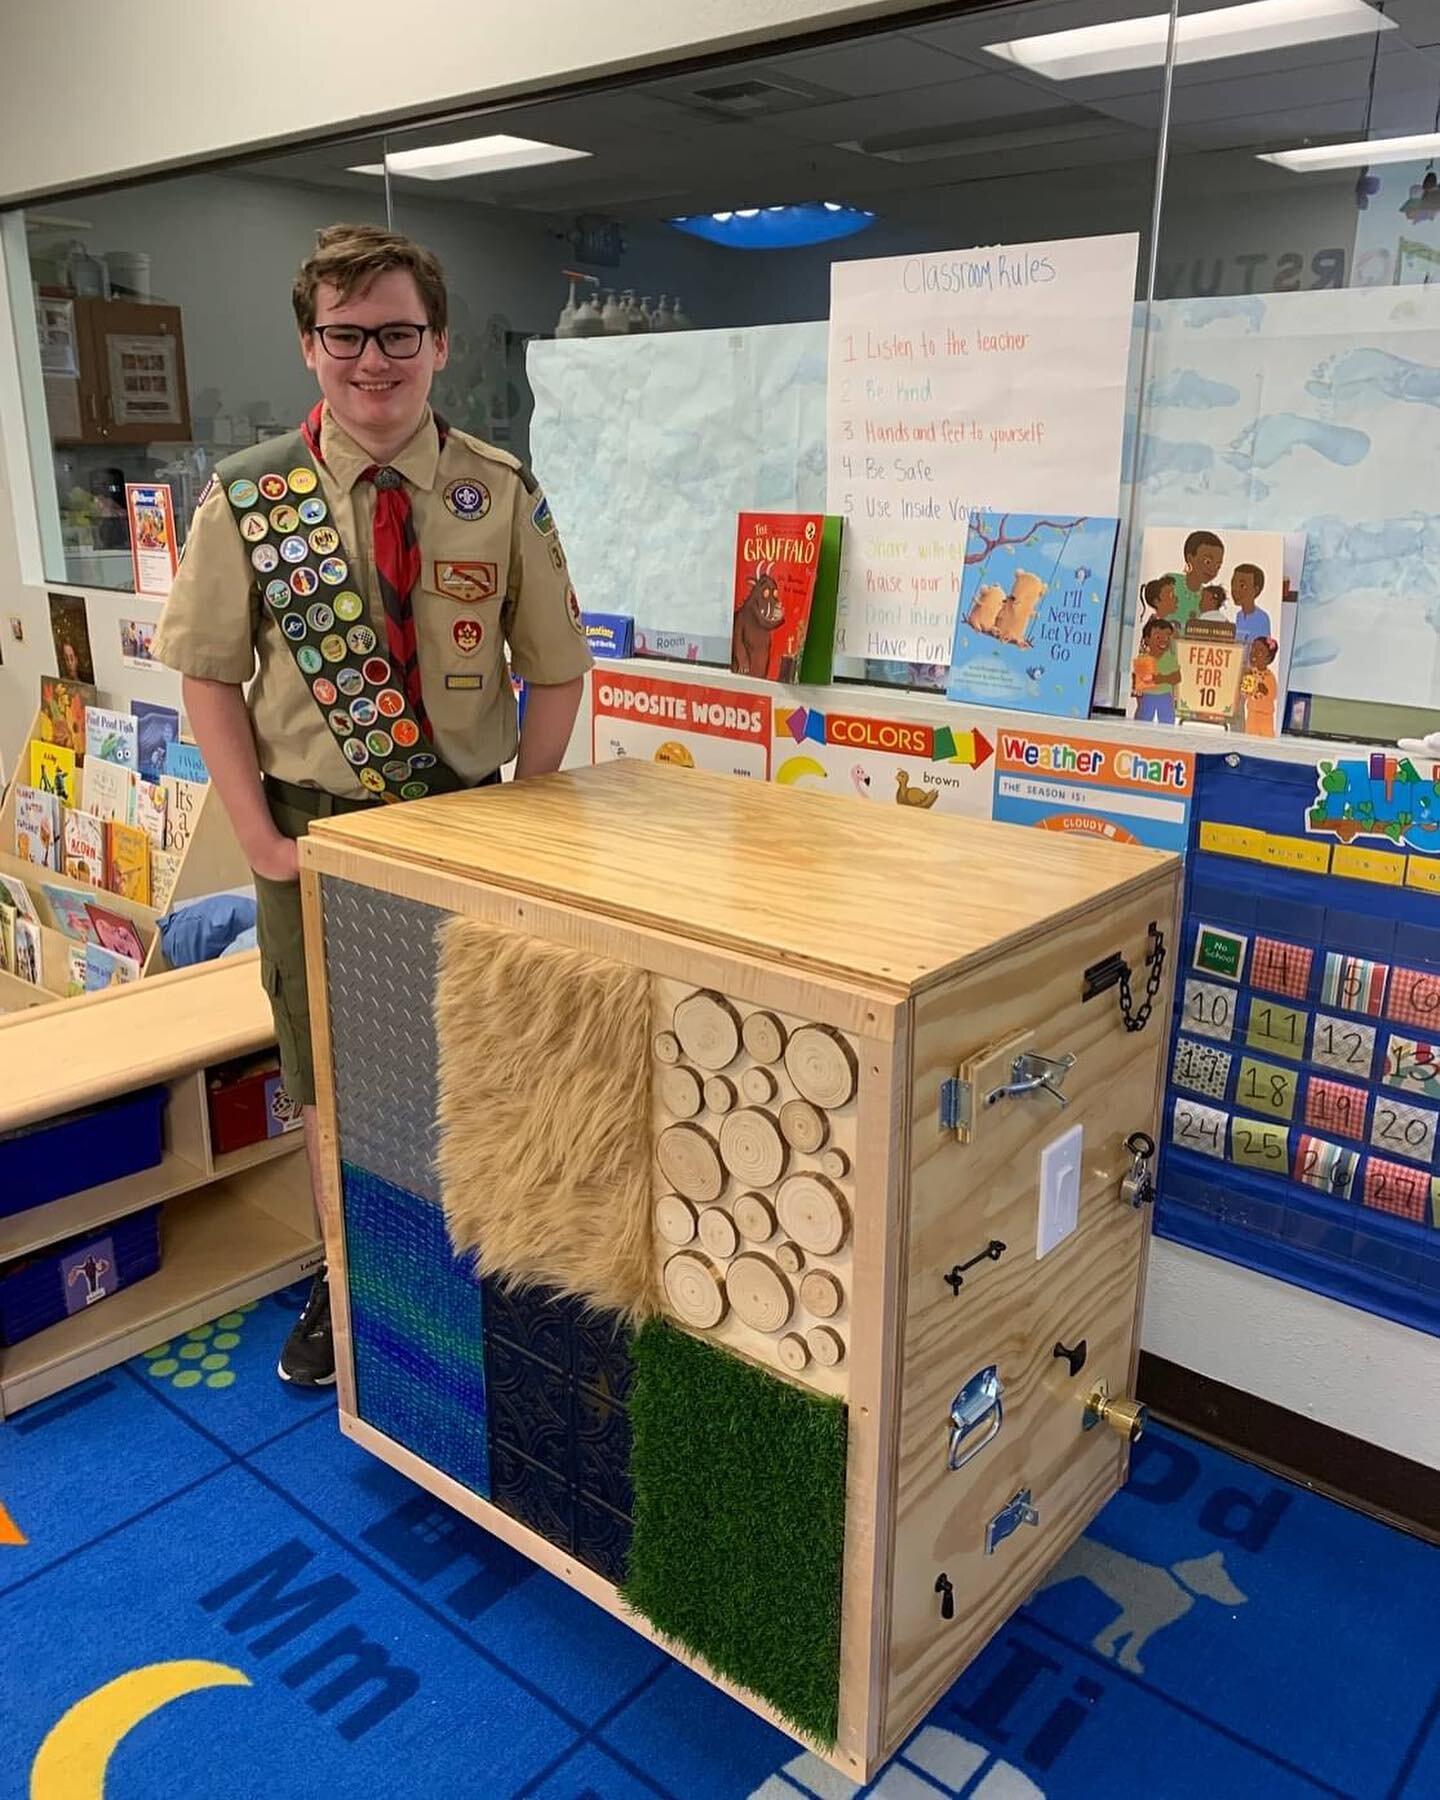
x=572 y=606
x=294 y=549
x=467 y=582
x=557 y=555
x=273 y=487
x=469 y=500
x=324 y=540
x=264 y=557
x=334 y=570
x=303 y=581
x=348 y=605
x=542 y=518
x=302 y=481
x=468 y=634
x=242 y=493
x=312 y=511
x=466 y=684
x=284 y=519
x=208 y=489
x=373 y=780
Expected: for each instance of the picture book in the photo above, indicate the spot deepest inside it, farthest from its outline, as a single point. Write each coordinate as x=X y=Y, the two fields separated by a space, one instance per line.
x=69 y=909
x=70 y=629
x=185 y=761
x=164 y=872
x=37 y=828
x=1213 y=631
x=115 y=932
x=103 y=968
x=8 y=920
x=787 y=572
x=13 y=892
x=108 y=790
x=1031 y=611
x=62 y=711
x=127 y=861
x=84 y=841
x=27 y=950
x=150 y=811
x=74 y=970
x=52 y=770
x=182 y=808
x=111 y=736
x=156 y=727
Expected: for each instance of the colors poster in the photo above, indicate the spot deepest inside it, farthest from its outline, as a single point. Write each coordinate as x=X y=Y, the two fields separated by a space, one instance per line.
x=892 y=762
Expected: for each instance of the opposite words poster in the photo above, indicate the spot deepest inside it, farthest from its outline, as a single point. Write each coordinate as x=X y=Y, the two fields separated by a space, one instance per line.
x=1121 y=792
x=677 y=722
x=958 y=381
x=896 y=762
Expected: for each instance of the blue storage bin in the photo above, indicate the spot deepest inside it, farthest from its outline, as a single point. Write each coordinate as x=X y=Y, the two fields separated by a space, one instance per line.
x=40 y=1290
x=46 y=1161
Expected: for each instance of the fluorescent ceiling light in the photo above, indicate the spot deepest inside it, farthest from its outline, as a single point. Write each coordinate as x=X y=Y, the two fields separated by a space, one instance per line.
x=1200 y=37
x=1315 y=158
x=473 y=156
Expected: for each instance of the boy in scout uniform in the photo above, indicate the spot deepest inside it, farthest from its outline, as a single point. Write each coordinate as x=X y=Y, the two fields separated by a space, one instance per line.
x=368 y=572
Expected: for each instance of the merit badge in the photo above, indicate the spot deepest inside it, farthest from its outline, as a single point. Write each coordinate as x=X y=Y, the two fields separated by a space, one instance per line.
x=414 y=790
x=468 y=500
x=273 y=487
x=302 y=481
x=333 y=570
x=572 y=606
x=278 y=593
x=294 y=549
x=243 y=493
x=377 y=671
x=541 y=518
x=340 y=721
x=265 y=558
x=304 y=582
x=253 y=527
x=468 y=635
x=312 y=511
x=391 y=703
x=378 y=743
x=308 y=659
x=362 y=711
x=406 y=733
x=356 y=751
x=349 y=681
x=320 y=616
x=324 y=540
x=293 y=626
x=397 y=771
x=418 y=764
x=374 y=780
x=332 y=648
x=361 y=639
x=324 y=692
x=467 y=582
x=348 y=605
x=284 y=519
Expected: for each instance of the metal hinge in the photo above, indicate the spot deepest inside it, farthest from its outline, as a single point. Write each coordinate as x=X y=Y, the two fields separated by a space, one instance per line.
x=955 y=1104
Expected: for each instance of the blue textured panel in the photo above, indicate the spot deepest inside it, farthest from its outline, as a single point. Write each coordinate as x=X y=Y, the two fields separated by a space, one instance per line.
x=417 y=1319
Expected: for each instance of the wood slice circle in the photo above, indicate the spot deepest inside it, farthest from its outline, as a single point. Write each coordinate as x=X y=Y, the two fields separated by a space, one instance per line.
x=719 y=1094
x=813 y=1211
x=758 y=1086
x=793 y=1351
x=822 y=1065
x=752 y=1147
x=820 y=1292
x=759 y=1293
x=690 y=1161
x=666 y=1047
x=790 y=1257
x=835 y=1163
x=764 y=1037
x=695 y=1289
x=804 y=1126
x=756 y=1218
x=708 y=1028
x=680 y=1091
x=718 y=1233
x=826 y=1346
x=675 y=1219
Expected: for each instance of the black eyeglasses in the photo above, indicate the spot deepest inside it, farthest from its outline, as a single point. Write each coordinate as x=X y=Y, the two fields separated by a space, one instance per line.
x=347 y=342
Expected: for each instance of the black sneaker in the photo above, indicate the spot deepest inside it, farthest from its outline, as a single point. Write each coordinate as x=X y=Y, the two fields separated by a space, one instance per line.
x=308 y=1359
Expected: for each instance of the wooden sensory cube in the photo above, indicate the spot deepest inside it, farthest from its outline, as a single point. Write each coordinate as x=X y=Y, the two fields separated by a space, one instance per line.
x=842 y=1199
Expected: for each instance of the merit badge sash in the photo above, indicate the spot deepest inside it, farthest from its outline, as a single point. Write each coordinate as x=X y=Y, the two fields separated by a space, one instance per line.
x=303 y=571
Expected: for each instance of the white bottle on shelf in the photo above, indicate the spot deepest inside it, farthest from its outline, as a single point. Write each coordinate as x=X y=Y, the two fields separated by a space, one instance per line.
x=681 y=318
x=589 y=320
x=615 y=315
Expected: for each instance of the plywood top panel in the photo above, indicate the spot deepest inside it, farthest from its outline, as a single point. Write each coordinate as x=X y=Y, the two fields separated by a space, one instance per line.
x=887 y=896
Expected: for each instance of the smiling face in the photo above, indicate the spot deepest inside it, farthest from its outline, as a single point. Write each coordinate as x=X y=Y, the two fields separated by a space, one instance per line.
x=376 y=398
x=1204 y=565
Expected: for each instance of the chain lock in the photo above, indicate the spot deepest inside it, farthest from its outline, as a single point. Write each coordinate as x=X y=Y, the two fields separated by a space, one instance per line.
x=1155 y=963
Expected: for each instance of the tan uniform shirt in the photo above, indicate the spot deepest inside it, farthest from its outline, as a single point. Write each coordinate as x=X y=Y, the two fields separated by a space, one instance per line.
x=485 y=582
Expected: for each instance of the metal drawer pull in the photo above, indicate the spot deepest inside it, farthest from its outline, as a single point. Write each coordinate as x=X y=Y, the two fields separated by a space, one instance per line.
x=976 y=1413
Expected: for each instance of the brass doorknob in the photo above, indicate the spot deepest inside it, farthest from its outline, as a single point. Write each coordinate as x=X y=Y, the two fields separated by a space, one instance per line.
x=1128 y=1417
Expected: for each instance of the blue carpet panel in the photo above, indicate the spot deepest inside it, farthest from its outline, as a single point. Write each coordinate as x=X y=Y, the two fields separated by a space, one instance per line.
x=216 y=1594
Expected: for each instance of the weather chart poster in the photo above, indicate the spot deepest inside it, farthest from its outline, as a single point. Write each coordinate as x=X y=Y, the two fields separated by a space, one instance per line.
x=895 y=762
x=1112 y=791
x=681 y=723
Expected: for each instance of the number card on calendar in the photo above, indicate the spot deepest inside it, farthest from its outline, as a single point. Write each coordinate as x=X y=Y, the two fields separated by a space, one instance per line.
x=1410 y=1064
x=1201 y=1128
x=1400 y=1129
x=1219 y=952
x=1352 y=983
x=1335 y=1108
x=1322 y=1164
x=1344 y=1045
x=1280 y=1029
x=1260 y=1144
x=1266 y=1087
x=1203 y=1068
x=1415 y=998
x=1398 y=1188
x=1209 y=1009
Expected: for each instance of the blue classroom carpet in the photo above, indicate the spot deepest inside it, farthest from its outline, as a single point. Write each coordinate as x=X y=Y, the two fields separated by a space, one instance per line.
x=261 y=1611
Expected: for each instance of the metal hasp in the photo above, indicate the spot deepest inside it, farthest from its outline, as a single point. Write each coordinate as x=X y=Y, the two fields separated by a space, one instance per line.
x=1138 y=1187
x=1031 y=1073
x=1009 y=1519
x=1128 y=1417
x=976 y=1415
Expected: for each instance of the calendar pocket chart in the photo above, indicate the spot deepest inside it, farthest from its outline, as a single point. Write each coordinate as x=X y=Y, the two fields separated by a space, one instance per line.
x=1303 y=1103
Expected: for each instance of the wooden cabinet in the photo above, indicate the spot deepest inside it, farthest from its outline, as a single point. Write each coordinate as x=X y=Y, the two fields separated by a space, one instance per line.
x=883 y=1084
x=130 y=388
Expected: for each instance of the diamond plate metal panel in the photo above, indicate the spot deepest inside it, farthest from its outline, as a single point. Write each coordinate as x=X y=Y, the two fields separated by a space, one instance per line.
x=380 y=962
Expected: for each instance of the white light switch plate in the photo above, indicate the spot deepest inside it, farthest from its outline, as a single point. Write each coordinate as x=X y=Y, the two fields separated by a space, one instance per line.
x=1059 y=1211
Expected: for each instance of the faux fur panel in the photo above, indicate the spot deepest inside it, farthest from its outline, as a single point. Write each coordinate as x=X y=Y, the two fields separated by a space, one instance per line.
x=544 y=1114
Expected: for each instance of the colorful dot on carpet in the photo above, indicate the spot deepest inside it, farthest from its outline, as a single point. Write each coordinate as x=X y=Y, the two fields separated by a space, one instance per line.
x=188 y=1378
x=158 y=1350
x=225 y=1378
x=166 y=1365
x=228 y=1321
x=215 y=1362
x=191 y=1351
x=225 y=1340
x=200 y=1333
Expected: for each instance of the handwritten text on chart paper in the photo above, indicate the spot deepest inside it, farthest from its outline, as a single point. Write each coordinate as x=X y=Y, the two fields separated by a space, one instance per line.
x=959 y=381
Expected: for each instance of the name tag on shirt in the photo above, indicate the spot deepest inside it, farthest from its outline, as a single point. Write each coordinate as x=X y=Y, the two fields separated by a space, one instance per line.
x=465 y=683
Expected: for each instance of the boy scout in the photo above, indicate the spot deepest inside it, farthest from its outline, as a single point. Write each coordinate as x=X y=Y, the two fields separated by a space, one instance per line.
x=368 y=571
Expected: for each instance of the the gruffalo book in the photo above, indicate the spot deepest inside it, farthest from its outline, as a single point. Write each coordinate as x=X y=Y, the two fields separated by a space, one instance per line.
x=787 y=571
x=1032 y=605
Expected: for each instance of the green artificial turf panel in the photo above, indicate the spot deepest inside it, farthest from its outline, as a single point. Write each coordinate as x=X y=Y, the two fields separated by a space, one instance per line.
x=739 y=1521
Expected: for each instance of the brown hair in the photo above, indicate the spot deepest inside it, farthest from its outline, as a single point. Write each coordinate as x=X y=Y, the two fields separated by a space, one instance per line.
x=350 y=257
